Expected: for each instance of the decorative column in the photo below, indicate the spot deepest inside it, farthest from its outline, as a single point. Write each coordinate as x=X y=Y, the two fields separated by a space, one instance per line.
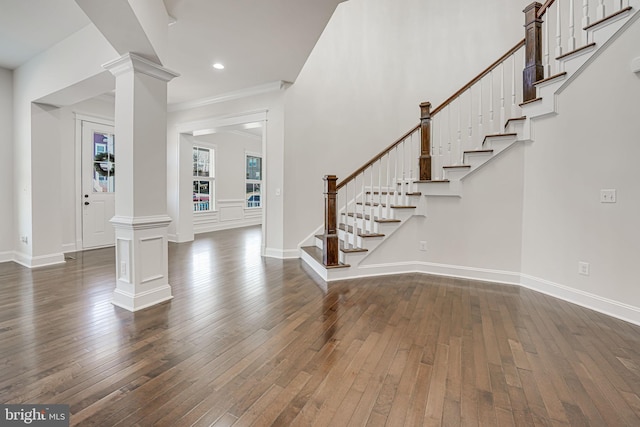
x=330 y=243
x=425 y=141
x=533 y=69
x=141 y=219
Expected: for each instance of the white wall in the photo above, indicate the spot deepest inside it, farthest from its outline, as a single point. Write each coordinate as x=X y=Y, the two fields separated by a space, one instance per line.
x=592 y=144
x=37 y=212
x=361 y=87
x=477 y=235
x=230 y=210
x=6 y=165
x=181 y=228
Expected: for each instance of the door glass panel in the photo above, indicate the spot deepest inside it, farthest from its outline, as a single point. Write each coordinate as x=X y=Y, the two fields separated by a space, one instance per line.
x=104 y=165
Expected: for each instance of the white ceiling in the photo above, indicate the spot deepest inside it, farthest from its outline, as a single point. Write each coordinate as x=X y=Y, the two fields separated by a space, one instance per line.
x=259 y=41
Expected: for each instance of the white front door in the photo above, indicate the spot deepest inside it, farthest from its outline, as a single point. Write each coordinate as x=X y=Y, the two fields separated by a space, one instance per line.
x=98 y=185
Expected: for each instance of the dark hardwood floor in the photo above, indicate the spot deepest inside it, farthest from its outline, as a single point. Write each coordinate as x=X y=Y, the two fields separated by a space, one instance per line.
x=253 y=341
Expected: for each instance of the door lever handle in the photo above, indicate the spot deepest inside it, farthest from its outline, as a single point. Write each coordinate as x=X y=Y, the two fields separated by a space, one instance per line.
x=86 y=203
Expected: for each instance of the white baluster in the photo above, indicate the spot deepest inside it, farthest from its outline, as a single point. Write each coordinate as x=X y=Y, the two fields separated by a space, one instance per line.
x=470 y=118
x=435 y=159
x=396 y=174
x=558 y=32
x=491 y=121
x=379 y=188
x=387 y=199
x=364 y=201
x=346 y=211
x=480 y=131
x=571 y=41
x=600 y=10
x=459 y=134
x=503 y=113
x=403 y=173
x=372 y=201
x=620 y=4
x=450 y=147
x=585 y=21
x=546 y=47
x=442 y=164
x=513 y=86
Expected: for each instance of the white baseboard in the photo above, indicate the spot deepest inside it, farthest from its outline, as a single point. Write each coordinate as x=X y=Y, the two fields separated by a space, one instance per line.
x=69 y=247
x=38 y=261
x=588 y=300
x=612 y=308
x=7 y=256
x=218 y=226
x=473 y=273
x=281 y=253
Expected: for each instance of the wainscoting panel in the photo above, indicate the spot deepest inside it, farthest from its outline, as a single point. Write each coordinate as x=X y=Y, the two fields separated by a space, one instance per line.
x=228 y=214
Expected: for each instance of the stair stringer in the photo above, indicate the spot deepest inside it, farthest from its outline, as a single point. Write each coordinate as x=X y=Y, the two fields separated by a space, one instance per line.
x=475 y=215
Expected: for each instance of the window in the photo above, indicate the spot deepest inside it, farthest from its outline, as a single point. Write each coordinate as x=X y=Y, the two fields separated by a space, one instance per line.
x=203 y=179
x=254 y=181
x=104 y=163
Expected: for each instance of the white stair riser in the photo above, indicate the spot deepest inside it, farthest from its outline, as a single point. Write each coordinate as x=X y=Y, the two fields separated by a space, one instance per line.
x=476 y=159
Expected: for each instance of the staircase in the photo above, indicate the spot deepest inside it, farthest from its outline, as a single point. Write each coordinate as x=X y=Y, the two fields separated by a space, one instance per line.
x=475 y=126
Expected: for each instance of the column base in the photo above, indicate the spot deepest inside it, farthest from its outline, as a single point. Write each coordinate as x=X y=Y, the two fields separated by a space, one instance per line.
x=141 y=262
x=135 y=302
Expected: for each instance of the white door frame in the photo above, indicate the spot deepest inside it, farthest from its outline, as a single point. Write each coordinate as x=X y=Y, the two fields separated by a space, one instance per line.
x=79 y=118
x=210 y=125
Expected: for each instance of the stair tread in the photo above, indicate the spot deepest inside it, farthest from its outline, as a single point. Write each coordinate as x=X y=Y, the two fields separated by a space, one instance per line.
x=580 y=49
x=316 y=253
x=514 y=119
x=606 y=18
x=497 y=135
x=434 y=181
x=353 y=250
x=368 y=217
x=555 y=76
x=478 y=151
x=456 y=167
x=370 y=204
x=350 y=230
x=531 y=101
x=402 y=207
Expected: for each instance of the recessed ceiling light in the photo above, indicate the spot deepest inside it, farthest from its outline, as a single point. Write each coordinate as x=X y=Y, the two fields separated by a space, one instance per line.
x=218 y=66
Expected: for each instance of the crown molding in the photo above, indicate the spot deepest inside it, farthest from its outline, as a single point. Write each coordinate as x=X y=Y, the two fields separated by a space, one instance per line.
x=229 y=96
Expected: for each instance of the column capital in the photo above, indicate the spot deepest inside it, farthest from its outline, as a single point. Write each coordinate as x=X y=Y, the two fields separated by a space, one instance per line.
x=140 y=222
x=136 y=63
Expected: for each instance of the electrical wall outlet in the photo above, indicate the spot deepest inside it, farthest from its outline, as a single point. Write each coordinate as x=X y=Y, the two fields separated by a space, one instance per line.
x=24 y=239
x=608 y=196
x=423 y=245
x=583 y=268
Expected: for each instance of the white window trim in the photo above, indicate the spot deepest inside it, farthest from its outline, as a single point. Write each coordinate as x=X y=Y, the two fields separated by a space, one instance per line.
x=212 y=147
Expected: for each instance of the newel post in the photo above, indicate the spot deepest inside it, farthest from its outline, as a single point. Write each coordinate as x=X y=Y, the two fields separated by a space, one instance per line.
x=533 y=69
x=425 y=141
x=330 y=240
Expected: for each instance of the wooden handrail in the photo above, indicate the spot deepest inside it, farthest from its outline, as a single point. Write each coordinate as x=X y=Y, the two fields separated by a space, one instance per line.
x=376 y=158
x=440 y=108
x=478 y=78
x=544 y=8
